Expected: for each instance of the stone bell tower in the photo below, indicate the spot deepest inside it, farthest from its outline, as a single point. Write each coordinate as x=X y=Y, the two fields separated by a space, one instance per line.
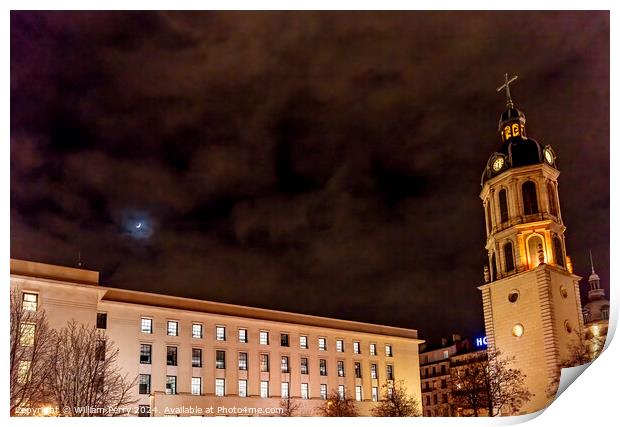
x=532 y=308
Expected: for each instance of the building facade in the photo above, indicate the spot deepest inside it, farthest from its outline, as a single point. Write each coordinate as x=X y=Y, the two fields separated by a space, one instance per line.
x=595 y=314
x=435 y=375
x=531 y=301
x=437 y=367
x=194 y=357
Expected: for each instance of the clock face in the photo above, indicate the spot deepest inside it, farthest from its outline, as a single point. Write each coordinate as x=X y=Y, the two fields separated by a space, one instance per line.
x=549 y=156
x=498 y=164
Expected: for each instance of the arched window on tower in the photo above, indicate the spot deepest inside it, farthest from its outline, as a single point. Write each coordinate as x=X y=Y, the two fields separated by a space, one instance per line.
x=558 y=252
x=493 y=267
x=553 y=207
x=535 y=245
x=503 y=205
x=530 y=201
x=509 y=257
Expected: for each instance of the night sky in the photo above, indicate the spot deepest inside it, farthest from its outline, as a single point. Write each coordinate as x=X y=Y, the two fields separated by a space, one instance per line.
x=323 y=163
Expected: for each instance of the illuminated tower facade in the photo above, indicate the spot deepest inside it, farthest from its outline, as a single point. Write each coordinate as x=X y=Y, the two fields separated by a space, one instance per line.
x=596 y=314
x=531 y=303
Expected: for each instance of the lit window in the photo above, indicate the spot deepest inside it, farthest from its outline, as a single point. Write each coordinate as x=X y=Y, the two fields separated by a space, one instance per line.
x=358 y=393
x=341 y=392
x=220 y=359
x=304 y=391
x=373 y=371
x=220 y=387
x=324 y=391
x=220 y=333
x=102 y=320
x=356 y=347
x=171 y=356
x=284 y=390
x=243 y=335
x=388 y=350
x=322 y=367
x=264 y=362
x=284 y=340
x=339 y=346
x=303 y=341
x=304 y=365
x=264 y=389
x=243 y=361
x=30 y=301
x=373 y=349
x=23 y=372
x=263 y=338
x=27 y=332
x=322 y=344
x=341 y=368
x=243 y=388
x=196 y=330
x=171 y=384
x=173 y=328
x=146 y=325
x=145 y=384
x=284 y=364
x=374 y=394
x=196 y=357
x=196 y=386
x=389 y=372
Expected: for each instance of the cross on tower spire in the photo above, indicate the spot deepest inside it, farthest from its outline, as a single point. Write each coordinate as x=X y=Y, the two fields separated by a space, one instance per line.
x=506 y=86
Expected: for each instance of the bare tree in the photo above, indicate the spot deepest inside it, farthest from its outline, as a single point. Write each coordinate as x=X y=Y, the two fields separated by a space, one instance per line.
x=30 y=350
x=338 y=406
x=396 y=402
x=468 y=383
x=85 y=379
x=580 y=352
x=289 y=406
x=488 y=382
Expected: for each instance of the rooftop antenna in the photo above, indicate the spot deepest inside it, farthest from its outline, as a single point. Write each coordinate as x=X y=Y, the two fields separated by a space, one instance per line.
x=80 y=259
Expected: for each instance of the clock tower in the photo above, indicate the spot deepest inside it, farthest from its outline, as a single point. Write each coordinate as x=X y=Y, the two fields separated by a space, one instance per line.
x=531 y=303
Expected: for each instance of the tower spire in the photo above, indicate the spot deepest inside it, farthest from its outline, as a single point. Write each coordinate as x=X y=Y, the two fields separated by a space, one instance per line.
x=591 y=263
x=506 y=85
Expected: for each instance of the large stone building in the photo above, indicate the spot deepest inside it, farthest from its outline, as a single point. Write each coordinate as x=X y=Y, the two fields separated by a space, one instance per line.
x=198 y=354
x=531 y=301
x=437 y=366
x=595 y=314
x=435 y=375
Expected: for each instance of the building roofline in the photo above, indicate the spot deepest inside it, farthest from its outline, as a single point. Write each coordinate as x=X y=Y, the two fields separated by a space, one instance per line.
x=117 y=295
x=54 y=272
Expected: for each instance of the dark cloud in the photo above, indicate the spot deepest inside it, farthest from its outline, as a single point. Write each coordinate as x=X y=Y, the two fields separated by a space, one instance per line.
x=327 y=163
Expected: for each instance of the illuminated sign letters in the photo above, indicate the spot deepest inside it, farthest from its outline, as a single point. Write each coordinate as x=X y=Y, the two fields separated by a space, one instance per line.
x=481 y=342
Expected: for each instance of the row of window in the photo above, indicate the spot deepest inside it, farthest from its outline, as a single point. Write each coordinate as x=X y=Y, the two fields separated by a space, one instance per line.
x=534 y=245
x=146 y=327
x=530 y=202
x=146 y=351
x=30 y=302
x=144 y=387
x=444 y=399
